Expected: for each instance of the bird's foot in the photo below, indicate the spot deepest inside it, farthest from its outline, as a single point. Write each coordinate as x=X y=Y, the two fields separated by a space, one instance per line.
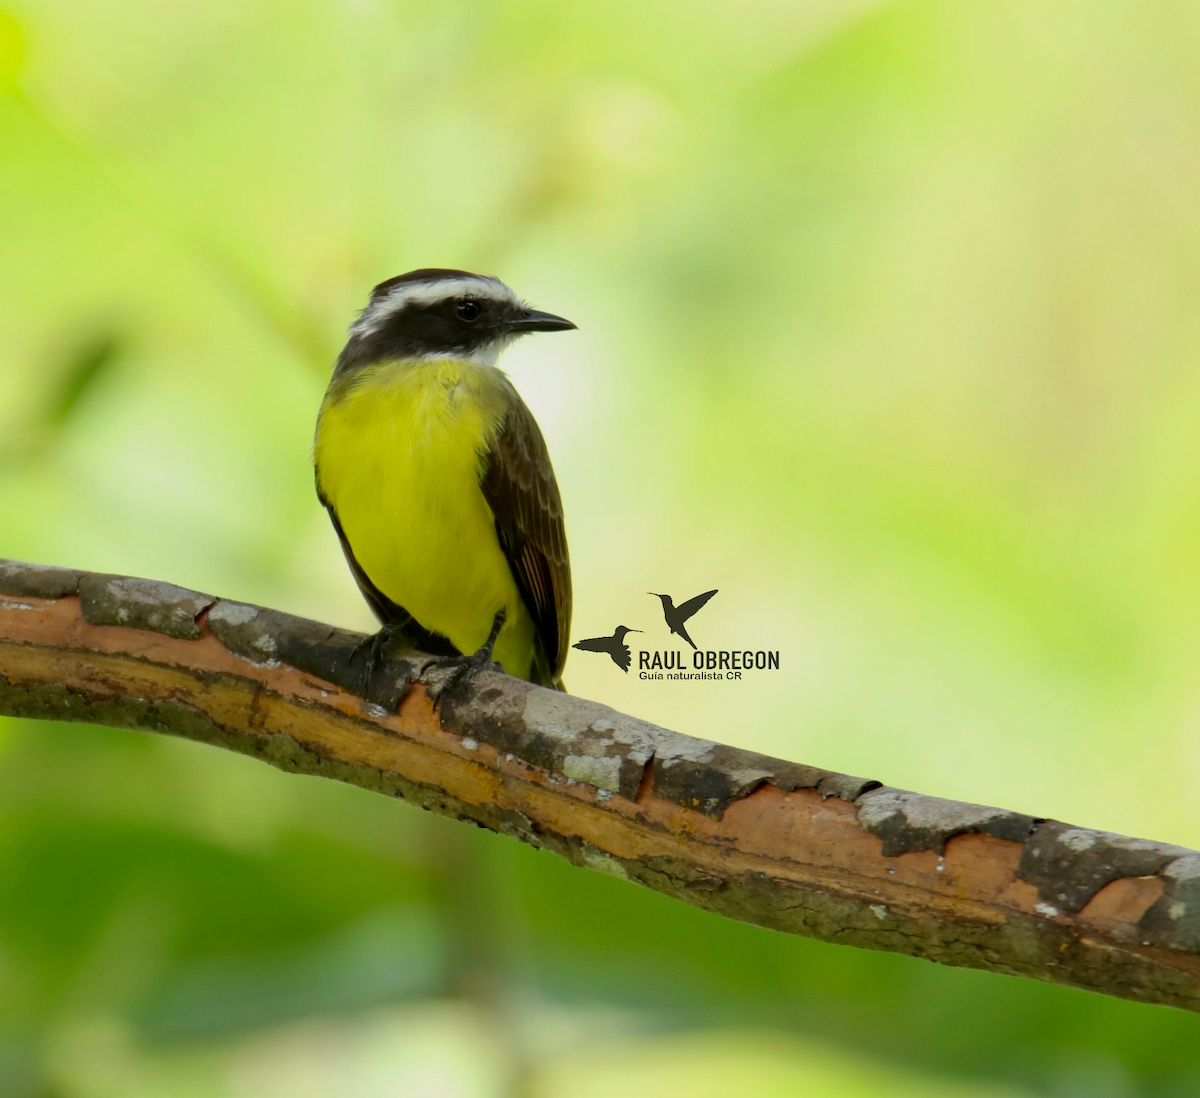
x=463 y=668
x=373 y=653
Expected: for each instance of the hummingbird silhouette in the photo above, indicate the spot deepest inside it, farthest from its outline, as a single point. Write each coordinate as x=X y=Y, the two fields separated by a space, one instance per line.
x=676 y=615
x=615 y=646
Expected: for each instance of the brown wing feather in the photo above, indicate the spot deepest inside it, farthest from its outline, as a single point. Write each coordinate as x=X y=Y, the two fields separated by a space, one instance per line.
x=519 y=485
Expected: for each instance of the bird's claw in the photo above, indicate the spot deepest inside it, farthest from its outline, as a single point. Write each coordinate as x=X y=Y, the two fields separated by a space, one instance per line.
x=463 y=668
x=373 y=651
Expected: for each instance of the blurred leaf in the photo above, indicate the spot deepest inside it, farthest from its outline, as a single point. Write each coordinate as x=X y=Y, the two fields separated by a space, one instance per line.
x=388 y=956
x=87 y=367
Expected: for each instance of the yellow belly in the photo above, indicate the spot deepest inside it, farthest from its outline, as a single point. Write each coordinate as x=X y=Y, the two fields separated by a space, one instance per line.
x=399 y=456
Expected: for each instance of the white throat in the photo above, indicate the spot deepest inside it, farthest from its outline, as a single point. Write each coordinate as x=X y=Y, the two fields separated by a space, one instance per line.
x=487 y=355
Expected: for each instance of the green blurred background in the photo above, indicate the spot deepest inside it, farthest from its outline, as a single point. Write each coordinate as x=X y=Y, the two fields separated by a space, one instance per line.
x=889 y=328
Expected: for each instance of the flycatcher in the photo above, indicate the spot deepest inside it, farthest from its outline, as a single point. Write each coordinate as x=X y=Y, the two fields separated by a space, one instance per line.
x=438 y=480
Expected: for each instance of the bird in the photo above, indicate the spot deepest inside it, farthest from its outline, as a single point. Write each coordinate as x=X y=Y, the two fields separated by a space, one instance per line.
x=438 y=481
x=615 y=646
x=676 y=615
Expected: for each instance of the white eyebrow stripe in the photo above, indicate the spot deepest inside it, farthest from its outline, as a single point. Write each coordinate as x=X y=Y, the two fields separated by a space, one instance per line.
x=426 y=293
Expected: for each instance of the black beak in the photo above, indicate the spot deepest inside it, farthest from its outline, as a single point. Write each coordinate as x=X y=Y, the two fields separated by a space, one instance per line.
x=530 y=320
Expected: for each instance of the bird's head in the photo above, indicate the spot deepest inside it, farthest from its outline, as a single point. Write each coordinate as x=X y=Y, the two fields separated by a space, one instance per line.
x=666 y=599
x=433 y=312
x=621 y=632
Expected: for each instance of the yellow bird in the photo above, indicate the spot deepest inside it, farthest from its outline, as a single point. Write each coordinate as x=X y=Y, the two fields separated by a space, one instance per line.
x=438 y=480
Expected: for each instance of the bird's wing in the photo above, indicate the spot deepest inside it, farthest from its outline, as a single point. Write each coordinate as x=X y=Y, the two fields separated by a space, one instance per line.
x=519 y=486
x=686 y=609
x=389 y=613
x=623 y=658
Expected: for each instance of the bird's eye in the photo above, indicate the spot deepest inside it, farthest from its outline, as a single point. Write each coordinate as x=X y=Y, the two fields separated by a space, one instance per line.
x=468 y=309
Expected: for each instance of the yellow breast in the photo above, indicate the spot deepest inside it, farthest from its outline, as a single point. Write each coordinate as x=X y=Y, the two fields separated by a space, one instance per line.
x=399 y=454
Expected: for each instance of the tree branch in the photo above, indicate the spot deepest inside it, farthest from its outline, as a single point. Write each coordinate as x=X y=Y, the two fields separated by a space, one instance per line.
x=786 y=846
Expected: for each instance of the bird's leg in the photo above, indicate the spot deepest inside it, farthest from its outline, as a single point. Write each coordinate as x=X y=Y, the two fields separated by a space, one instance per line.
x=464 y=668
x=490 y=643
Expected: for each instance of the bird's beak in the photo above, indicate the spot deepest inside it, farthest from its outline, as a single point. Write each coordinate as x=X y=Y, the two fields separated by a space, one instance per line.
x=530 y=320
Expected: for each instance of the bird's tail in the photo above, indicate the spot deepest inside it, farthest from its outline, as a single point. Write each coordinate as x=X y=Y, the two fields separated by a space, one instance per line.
x=551 y=682
x=543 y=674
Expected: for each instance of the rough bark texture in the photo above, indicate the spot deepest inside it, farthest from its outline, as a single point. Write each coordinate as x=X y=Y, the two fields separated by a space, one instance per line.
x=792 y=847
